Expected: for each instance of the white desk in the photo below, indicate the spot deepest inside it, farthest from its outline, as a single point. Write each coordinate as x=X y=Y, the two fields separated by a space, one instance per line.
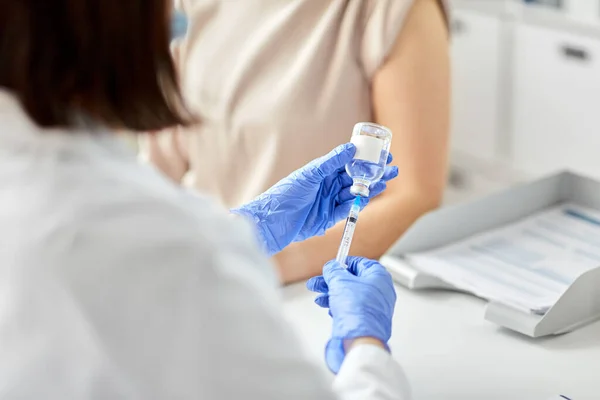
x=451 y=353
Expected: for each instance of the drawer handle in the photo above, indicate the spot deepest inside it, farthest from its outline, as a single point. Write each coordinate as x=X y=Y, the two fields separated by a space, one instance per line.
x=458 y=179
x=458 y=26
x=575 y=53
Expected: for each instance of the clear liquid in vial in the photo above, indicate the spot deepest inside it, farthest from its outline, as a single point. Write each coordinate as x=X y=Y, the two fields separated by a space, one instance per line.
x=364 y=172
x=372 y=143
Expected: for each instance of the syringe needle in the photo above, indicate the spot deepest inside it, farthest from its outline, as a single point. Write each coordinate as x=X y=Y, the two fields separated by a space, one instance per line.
x=344 y=249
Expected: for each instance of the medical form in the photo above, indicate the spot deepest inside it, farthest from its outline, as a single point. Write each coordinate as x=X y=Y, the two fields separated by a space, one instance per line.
x=528 y=264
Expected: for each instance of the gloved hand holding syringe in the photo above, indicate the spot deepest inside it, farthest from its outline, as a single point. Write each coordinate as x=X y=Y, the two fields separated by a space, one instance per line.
x=372 y=143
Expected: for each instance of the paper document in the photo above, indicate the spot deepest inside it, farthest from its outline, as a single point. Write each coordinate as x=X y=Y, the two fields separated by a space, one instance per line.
x=528 y=264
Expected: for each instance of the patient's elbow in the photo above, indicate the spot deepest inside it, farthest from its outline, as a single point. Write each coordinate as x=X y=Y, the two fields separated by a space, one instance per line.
x=429 y=198
x=434 y=199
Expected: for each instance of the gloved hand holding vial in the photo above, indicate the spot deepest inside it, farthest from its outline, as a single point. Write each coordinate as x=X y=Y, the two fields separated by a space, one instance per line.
x=372 y=143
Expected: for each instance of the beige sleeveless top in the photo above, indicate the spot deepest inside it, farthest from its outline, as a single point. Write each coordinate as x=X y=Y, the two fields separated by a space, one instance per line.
x=277 y=83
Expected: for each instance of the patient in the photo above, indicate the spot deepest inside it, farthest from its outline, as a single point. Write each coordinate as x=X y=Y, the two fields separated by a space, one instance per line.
x=278 y=83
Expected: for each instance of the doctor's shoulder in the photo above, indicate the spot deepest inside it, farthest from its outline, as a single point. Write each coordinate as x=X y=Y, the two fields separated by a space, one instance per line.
x=179 y=227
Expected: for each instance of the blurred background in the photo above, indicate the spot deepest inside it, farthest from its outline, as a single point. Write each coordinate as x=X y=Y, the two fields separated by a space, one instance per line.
x=526 y=77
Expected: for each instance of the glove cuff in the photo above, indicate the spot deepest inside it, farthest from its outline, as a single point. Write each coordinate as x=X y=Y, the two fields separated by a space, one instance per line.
x=335 y=353
x=265 y=239
x=362 y=328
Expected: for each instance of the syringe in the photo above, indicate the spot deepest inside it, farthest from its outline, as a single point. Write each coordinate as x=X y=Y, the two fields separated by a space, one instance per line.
x=348 y=232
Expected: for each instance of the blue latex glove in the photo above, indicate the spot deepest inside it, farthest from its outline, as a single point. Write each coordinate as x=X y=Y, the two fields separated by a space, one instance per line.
x=309 y=201
x=361 y=302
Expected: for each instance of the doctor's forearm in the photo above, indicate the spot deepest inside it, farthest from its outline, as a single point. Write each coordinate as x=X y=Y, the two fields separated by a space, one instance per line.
x=379 y=226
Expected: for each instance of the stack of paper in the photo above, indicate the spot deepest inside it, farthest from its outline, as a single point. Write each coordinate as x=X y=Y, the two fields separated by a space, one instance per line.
x=528 y=264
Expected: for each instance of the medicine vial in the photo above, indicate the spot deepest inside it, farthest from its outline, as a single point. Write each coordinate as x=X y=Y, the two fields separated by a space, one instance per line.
x=372 y=143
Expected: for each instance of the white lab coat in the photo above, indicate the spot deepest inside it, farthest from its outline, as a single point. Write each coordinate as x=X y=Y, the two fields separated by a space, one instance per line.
x=117 y=284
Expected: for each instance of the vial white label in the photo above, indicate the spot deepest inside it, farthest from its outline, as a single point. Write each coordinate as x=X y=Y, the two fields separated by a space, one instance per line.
x=368 y=148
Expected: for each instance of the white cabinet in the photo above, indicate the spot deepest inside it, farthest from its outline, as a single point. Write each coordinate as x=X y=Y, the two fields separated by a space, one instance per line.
x=476 y=66
x=556 y=101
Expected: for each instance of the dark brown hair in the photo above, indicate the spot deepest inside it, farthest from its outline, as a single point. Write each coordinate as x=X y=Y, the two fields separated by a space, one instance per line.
x=108 y=59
